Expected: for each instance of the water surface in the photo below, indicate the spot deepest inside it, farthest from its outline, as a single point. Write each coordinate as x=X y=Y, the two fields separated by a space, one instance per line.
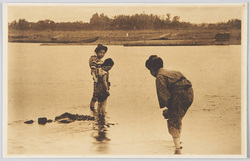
x=50 y=80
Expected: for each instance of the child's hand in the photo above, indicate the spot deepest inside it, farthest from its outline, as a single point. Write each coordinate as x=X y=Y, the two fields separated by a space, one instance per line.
x=107 y=93
x=95 y=79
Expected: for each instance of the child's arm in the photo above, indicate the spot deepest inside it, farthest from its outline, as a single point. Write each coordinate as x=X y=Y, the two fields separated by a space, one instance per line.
x=106 y=83
x=92 y=62
x=94 y=76
x=163 y=92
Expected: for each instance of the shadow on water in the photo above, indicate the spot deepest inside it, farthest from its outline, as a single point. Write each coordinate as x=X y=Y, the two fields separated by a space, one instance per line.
x=100 y=134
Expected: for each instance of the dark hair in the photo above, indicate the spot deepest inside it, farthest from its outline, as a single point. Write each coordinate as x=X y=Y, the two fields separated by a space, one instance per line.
x=108 y=62
x=154 y=62
x=101 y=47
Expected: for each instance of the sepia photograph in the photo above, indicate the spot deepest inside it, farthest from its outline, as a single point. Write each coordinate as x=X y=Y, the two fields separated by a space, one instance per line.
x=125 y=80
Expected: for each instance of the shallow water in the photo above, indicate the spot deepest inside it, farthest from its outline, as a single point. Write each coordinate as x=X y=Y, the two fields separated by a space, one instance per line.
x=46 y=81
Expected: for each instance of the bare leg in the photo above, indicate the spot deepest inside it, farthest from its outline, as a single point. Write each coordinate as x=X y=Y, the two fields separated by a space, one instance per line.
x=102 y=107
x=99 y=108
x=177 y=142
x=176 y=139
x=92 y=104
x=176 y=134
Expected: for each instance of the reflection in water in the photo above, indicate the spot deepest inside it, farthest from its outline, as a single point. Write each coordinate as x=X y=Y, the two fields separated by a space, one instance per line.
x=102 y=141
x=101 y=130
x=177 y=151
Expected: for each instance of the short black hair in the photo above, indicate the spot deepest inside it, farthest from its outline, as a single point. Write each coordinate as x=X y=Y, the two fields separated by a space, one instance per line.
x=154 y=62
x=108 y=62
x=101 y=47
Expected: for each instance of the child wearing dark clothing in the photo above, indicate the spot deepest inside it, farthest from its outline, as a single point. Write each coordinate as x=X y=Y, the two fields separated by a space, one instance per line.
x=103 y=85
x=175 y=92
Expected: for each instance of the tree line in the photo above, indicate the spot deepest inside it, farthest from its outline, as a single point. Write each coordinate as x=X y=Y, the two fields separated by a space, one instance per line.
x=122 y=22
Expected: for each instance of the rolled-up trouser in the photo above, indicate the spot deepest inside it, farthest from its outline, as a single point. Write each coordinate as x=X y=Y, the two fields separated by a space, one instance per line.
x=181 y=100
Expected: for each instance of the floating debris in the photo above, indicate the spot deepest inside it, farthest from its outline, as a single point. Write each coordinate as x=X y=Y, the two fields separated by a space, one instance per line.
x=29 y=122
x=68 y=118
x=49 y=121
x=42 y=120
x=64 y=118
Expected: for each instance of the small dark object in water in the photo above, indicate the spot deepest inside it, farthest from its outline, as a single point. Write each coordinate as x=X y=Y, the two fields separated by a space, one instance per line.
x=65 y=121
x=42 y=120
x=73 y=117
x=91 y=118
x=49 y=121
x=29 y=122
x=66 y=115
x=84 y=117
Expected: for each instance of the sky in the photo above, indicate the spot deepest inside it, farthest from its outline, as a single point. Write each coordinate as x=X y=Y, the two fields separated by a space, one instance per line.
x=71 y=12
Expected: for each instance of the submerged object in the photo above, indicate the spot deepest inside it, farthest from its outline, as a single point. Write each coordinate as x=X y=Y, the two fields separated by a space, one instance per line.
x=42 y=120
x=29 y=122
x=65 y=120
x=68 y=118
x=49 y=121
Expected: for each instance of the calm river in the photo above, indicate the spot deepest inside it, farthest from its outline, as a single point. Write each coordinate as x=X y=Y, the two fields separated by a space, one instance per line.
x=47 y=81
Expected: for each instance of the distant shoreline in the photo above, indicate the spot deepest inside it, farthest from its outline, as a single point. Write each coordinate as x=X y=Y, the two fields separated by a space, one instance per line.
x=130 y=45
x=171 y=37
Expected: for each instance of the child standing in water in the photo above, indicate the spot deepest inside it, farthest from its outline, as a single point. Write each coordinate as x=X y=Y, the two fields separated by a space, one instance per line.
x=175 y=92
x=95 y=62
x=103 y=86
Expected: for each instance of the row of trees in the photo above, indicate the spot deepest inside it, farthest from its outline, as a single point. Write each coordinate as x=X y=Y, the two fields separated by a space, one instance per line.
x=121 y=22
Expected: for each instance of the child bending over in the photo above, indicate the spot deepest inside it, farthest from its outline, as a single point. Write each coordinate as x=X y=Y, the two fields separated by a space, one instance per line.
x=175 y=93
